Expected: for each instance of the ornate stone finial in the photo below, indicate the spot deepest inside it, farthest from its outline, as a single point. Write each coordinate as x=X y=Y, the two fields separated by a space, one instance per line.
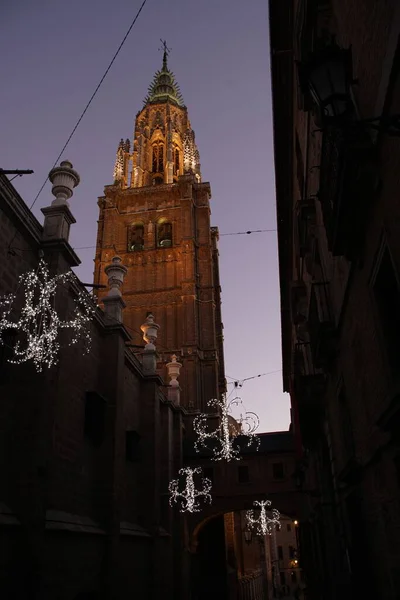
x=150 y=329
x=173 y=369
x=64 y=179
x=113 y=302
x=115 y=273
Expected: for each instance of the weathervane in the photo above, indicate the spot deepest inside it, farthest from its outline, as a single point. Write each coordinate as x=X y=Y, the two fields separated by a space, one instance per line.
x=228 y=431
x=165 y=48
x=263 y=525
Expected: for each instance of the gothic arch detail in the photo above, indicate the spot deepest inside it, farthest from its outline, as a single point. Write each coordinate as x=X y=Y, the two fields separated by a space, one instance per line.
x=163 y=234
x=136 y=237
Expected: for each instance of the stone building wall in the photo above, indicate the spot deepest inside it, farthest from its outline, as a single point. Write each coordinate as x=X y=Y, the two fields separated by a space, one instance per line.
x=77 y=513
x=353 y=445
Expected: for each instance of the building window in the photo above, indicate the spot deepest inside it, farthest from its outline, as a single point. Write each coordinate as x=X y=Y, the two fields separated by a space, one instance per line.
x=158 y=158
x=243 y=474
x=293 y=577
x=95 y=418
x=288 y=527
x=209 y=473
x=280 y=552
x=136 y=237
x=346 y=428
x=277 y=471
x=387 y=297
x=132 y=446
x=176 y=161
x=164 y=234
x=282 y=577
x=292 y=552
x=300 y=165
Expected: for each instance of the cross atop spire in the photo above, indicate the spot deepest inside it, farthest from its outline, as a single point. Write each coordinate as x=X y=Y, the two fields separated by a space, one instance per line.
x=166 y=53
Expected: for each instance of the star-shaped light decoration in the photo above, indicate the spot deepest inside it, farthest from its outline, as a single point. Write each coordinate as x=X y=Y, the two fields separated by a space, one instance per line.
x=228 y=432
x=263 y=525
x=38 y=325
x=189 y=496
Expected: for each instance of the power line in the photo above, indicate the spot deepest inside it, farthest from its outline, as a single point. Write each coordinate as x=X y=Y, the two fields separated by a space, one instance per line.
x=92 y=97
x=239 y=382
x=221 y=234
x=248 y=232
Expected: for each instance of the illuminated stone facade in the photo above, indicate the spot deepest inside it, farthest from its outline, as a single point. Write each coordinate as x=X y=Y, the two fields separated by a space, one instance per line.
x=156 y=216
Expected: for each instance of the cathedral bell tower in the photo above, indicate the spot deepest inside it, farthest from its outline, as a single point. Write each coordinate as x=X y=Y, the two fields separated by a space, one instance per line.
x=156 y=216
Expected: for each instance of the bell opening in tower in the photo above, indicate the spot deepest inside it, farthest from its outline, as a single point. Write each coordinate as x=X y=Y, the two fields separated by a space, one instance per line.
x=164 y=234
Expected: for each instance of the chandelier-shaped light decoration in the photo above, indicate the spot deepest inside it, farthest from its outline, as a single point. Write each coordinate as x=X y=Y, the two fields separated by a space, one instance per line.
x=229 y=433
x=189 y=496
x=38 y=325
x=263 y=525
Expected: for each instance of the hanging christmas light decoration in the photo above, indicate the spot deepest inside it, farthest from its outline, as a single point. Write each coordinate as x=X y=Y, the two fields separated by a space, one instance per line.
x=189 y=496
x=39 y=324
x=229 y=433
x=264 y=525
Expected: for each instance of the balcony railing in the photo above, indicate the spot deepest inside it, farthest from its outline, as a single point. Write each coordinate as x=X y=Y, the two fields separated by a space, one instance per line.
x=321 y=325
x=253 y=586
x=348 y=181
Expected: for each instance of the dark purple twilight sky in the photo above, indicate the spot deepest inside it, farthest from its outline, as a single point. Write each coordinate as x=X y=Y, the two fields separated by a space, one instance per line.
x=55 y=52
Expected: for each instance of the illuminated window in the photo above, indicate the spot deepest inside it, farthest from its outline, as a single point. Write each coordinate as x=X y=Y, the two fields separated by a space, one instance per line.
x=136 y=237
x=158 y=158
x=176 y=161
x=164 y=234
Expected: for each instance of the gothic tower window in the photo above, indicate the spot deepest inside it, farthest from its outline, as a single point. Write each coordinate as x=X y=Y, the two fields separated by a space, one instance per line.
x=164 y=234
x=136 y=237
x=176 y=161
x=158 y=158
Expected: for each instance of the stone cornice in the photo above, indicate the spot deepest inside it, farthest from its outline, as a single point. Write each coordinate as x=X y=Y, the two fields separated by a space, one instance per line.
x=15 y=204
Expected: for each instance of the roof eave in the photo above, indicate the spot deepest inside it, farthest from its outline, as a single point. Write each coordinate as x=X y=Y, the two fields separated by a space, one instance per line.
x=281 y=35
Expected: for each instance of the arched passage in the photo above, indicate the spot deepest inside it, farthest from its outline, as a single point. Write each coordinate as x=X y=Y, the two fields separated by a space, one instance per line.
x=209 y=565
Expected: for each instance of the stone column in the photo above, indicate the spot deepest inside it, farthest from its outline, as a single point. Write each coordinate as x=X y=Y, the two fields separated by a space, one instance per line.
x=113 y=302
x=174 y=391
x=58 y=217
x=150 y=329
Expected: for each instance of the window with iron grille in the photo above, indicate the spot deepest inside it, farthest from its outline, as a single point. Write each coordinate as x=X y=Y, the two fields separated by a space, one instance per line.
x=95 y=418
x=387 y=297
x=132 y=446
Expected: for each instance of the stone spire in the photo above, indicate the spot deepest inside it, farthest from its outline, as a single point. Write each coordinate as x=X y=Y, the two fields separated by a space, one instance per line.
x=164 y=88
x=121 y=166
